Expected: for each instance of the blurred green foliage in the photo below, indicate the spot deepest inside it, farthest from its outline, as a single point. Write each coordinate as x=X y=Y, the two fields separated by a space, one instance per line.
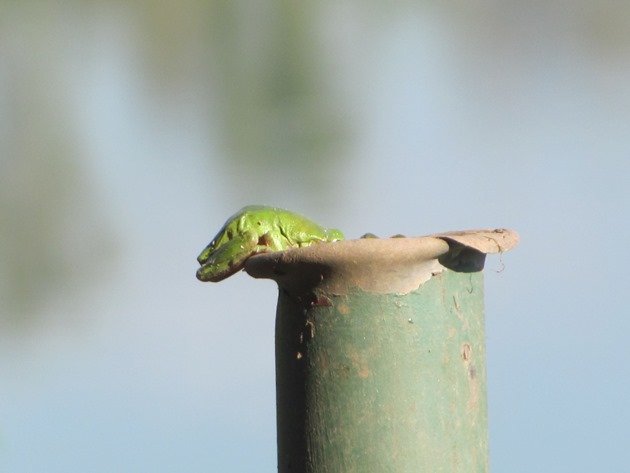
x=49 y=221
x=261 y=77
x=266 y=86
x=263 y=84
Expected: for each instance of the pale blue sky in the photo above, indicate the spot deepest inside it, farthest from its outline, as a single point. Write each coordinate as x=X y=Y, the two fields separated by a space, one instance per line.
x=454 y=117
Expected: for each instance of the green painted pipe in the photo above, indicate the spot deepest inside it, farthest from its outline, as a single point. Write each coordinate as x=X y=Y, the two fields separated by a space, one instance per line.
x=380 y=358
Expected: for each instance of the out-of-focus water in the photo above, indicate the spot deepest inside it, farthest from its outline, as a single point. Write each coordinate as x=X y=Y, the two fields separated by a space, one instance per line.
x=129 y=133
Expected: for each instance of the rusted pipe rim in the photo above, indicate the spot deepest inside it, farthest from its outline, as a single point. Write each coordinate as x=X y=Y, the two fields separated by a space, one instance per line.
x=381 y=265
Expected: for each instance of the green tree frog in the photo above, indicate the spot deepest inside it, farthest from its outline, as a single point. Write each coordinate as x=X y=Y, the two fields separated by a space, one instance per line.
x=257 y=229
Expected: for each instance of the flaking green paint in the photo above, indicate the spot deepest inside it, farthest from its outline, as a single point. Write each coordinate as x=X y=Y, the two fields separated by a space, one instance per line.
x=383 y=382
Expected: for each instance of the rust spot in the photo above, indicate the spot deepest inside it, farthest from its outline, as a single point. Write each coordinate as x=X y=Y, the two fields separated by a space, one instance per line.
x=473 y=382
x=359 y=363
x=321 y=301
x=363 y=372
x=473 y=389
x=323 y=361
x=466 y=351
x=343 y=309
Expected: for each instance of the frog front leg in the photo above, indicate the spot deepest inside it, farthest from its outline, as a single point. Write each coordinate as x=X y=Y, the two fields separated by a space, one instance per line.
x=229 y=258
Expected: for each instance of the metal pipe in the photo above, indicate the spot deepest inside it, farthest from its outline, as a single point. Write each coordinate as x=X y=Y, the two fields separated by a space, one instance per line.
x=380 y=354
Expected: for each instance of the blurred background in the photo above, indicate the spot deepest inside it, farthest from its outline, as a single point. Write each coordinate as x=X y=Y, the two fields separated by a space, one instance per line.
x=129 y=132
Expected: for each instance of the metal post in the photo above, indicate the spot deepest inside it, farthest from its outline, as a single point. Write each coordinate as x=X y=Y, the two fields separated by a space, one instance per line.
x=380 y=358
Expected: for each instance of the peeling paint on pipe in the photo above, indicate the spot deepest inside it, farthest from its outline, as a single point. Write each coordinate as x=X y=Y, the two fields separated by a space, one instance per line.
x=380 y=353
